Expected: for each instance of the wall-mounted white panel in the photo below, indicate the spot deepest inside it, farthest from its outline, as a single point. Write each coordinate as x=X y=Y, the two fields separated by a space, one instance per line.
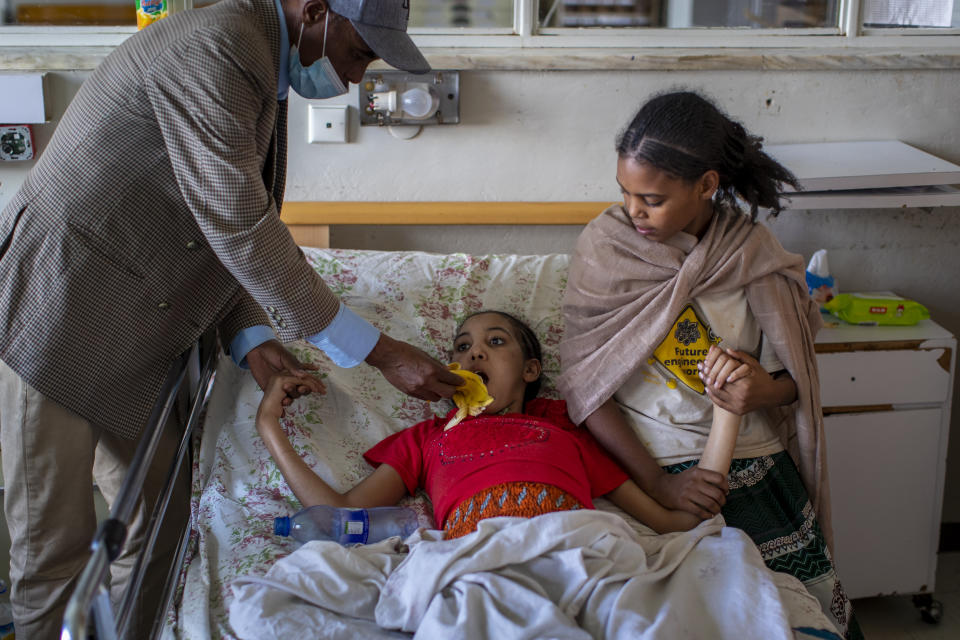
x=327 y=123
x=866 y=164
x=21 y=99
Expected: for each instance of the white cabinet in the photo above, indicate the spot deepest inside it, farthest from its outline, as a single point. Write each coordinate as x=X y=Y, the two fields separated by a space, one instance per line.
x=886 y=398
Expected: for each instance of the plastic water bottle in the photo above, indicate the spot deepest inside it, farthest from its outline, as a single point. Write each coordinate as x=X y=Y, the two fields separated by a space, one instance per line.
x=347 y=526
x=6 y=614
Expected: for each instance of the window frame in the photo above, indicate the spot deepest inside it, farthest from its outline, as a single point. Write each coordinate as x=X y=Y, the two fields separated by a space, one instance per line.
x=592 y=43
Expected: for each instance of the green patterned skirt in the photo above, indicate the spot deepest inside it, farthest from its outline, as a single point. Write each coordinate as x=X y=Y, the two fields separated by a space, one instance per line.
x=768 y=501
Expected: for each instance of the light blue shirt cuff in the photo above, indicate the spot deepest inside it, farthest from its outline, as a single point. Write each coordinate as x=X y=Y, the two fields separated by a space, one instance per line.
x=283 y=75
x=348 y=340
x=246 y=340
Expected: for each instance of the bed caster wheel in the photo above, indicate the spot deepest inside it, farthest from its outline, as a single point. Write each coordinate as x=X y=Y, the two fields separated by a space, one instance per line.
x=930 y=610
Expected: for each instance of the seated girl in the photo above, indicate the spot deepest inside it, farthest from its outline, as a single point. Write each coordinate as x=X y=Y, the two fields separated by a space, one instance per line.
x=521 y=457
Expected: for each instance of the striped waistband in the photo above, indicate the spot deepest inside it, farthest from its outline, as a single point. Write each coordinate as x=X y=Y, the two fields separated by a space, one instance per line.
x=518 y=499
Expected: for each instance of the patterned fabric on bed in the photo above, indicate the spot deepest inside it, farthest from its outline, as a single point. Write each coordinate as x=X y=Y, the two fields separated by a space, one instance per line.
x=238 y=491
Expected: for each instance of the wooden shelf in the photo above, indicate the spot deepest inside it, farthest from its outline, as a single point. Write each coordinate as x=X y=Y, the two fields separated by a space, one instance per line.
x=892 y=198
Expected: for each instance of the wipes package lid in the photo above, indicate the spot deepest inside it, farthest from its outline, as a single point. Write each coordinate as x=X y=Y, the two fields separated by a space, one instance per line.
x=820 y=283
x=876 y=309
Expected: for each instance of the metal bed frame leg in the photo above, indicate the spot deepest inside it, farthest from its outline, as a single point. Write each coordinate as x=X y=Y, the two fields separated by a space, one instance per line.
x=91 y=596
x=103 y=612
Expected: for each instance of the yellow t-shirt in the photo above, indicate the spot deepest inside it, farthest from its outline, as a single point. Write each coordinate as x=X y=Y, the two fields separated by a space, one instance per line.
x=664 y=400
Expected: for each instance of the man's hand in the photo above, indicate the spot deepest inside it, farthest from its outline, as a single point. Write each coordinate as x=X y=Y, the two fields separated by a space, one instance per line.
x=697 y=491
x=271 y=358
x=412 y=371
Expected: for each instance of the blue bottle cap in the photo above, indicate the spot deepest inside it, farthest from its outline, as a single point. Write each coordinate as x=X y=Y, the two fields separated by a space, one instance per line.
x=281 y=526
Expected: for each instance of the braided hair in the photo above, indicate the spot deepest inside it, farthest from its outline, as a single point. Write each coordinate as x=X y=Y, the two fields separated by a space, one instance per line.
x=529 y=345
x=686 y=135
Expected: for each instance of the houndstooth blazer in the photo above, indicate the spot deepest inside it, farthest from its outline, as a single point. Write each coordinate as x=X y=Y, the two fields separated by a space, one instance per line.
x=153 y=215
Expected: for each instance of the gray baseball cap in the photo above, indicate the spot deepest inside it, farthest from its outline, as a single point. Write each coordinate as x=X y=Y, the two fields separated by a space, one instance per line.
x=383 y=26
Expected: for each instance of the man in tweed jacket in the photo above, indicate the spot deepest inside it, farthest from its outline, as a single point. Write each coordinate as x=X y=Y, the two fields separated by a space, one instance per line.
x=151 y=217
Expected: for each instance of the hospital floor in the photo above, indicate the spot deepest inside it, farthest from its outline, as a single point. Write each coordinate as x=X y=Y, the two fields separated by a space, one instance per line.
x=895 y=617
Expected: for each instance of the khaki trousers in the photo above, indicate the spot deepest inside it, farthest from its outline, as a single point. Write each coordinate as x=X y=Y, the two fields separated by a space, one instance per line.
x=50 y=456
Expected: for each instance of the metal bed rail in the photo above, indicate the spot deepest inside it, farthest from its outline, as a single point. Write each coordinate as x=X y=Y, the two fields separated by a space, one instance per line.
x=91 y=597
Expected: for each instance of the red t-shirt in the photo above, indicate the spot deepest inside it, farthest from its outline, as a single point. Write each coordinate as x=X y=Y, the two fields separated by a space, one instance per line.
x=540 y=445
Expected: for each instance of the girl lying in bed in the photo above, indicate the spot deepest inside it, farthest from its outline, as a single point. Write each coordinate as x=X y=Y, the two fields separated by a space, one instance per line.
x=521 y=457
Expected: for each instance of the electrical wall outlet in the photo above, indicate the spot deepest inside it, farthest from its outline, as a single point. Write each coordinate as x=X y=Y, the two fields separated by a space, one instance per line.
x=327 y=123
x=16 y=142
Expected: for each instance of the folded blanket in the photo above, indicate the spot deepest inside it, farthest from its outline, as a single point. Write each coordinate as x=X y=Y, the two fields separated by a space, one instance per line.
x=575 y=574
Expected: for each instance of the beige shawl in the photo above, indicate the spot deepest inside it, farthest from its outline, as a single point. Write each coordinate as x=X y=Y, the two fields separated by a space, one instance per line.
x=625 y=291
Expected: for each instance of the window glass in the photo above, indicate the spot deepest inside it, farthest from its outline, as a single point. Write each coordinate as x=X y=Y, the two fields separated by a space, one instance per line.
x=461 y=13
x=911 y=13
x=79 y=12
x=423 y=13
x=69 y=12
x=775 y=14
x=757 y=14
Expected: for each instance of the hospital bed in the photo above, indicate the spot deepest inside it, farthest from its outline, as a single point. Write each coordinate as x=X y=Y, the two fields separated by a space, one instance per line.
x=237 y=491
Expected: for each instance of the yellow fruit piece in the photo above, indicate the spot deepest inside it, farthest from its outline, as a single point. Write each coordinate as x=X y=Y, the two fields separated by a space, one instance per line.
x=471 y=398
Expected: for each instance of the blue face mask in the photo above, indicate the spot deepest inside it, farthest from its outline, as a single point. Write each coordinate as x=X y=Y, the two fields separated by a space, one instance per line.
x=320 y=79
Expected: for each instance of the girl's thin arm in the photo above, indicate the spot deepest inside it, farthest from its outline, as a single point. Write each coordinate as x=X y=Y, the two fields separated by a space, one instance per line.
x=722 y=441
x=381 y=488
x=698 y=491
x=634 y=501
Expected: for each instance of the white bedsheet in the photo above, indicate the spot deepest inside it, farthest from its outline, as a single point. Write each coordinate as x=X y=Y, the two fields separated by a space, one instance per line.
x=575 y=574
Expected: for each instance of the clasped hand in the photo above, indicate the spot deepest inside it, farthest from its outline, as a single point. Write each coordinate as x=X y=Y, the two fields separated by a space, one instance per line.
x=276 y=395
x=735 y=381
x=272 y=358
x=698 y=491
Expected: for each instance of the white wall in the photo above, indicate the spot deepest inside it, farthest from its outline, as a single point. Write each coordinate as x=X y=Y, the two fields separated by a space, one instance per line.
x=549 y=136
x=535 y=136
